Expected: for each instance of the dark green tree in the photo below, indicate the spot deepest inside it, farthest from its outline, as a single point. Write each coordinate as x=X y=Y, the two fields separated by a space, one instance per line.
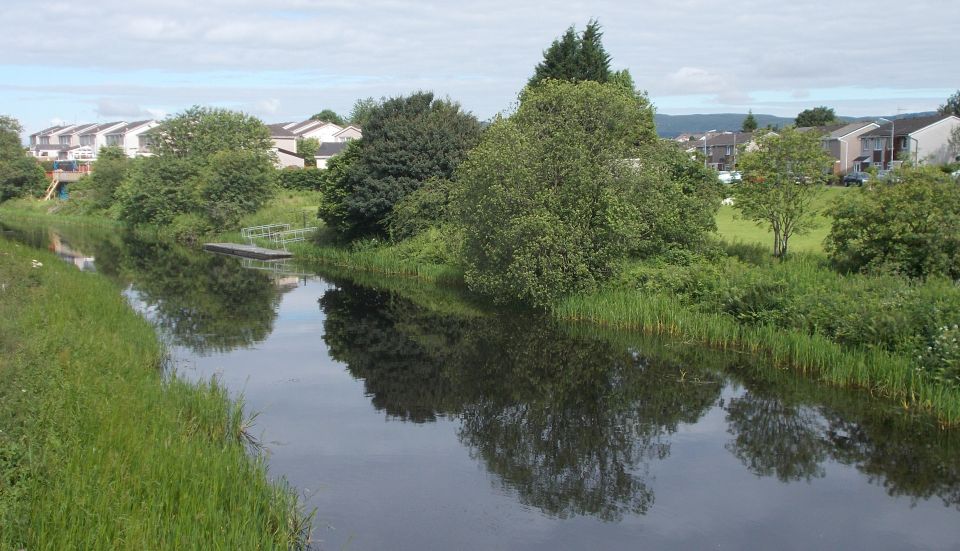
x=817 y=116
x=19 y=173
x=952 y=106
x=109 y=172
x=329 y=115
x=236 y=182
x=406 y=141
x=575 y=57
x=749 y=123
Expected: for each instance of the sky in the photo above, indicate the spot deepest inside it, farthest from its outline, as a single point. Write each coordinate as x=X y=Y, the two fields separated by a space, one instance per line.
x=284 y=60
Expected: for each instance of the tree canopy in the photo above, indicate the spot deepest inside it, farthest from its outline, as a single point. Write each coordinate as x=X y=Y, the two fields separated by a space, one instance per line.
x=19 y=173
x=362 y=109
x=952 y=105
x=329 y=115
x=406 y=141
x=556 y=195
x=817 y=116
x=575 y=57
x=782 y=177
x=749 y=122
x=203 y=131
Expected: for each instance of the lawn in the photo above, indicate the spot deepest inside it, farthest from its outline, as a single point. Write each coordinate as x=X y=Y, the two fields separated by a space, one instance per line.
x=732 y=228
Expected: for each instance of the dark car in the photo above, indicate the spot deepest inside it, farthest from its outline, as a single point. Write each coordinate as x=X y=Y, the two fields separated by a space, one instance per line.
x=856 y=178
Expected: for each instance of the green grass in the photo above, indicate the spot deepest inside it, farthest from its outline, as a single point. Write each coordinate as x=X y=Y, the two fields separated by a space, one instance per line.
x=100 y=450
x=734 y=229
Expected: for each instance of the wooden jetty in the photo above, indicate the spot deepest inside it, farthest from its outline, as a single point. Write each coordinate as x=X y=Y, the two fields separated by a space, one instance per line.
x=248 y=251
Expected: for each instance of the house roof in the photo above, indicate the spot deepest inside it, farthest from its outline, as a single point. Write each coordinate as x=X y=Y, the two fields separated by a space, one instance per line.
x=299 y=127
x=903 y=127
x=128 y=127
x=329 y=149
x=81 y=128
x=47 y=130
x=849 y=128
x=96 y=129
x=728 y=138
x=348 y=127
x=280 y=131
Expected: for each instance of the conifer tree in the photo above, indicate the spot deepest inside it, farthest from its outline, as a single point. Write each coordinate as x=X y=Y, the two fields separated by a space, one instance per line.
x=575 y=57
x=749 y=123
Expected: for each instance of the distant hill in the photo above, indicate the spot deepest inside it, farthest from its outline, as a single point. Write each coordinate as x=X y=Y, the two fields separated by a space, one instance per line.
x=671 y=126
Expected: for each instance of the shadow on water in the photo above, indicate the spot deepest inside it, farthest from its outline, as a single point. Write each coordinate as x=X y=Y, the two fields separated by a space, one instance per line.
x=571 y=419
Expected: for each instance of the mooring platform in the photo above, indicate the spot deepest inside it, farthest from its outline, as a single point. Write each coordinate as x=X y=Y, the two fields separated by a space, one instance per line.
x=248 y=251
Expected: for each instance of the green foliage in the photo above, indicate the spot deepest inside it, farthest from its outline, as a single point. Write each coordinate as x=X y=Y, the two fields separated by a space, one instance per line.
x=235 y=183
x=782 y=178
x=749 y=122
x=406 y=141
x=300 y=178
x=19 y=173
x=307 y=148
x=952 y=105
x=200 y=132
x=420 y=210
x=816 y=116
x=157 y=189
x=362 y=109
x=109 y=172
x=911 y=227
x=549 y=198
x=575 y=57
x=329 y=115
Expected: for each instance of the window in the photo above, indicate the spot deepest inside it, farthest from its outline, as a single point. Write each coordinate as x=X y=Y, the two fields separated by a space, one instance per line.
x=64 y=140
x=878 y=144
x=114 y=139
x=905 y=142
x=45 y=140
x=729 y=150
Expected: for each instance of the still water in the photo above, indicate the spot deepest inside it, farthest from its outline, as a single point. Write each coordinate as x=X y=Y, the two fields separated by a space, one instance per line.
x=456 y=427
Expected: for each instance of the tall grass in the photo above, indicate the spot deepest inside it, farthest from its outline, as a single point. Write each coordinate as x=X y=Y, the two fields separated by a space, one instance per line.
x=880 y=372
x=99 y=449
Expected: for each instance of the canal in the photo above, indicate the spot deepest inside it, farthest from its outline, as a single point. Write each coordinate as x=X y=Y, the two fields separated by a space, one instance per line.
x=410 y=417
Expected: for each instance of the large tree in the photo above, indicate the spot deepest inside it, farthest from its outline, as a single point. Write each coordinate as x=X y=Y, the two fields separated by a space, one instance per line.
x=952 y=106
x=556 y=195
x=329 y=115
x=817 y=116
x=575 y=57
x=406 y=141
x=782 y=177
x=362 y=109
x=200 y=132
x=19 y=173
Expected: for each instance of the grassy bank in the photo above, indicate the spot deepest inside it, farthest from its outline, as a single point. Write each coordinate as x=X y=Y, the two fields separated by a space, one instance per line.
x=98 y=449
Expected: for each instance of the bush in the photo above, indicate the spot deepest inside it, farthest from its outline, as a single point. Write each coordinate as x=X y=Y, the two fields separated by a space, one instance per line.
x=420 y=210
x=158 y=189
x=235 y=183
x=911 y=227
x=109 y=172
x=300 y=178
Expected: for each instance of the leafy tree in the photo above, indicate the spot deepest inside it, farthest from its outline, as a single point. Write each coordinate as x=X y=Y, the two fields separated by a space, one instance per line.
x=817 y=116
x=109 y=172
x=782 y=178
x=158 y=189
x=406 y=141
x=236 y=182
x=362 y=109
x=954 y=144
x=425 y=208
x=307 y=148
x=952 y=106
x=575 y=57
x=329 y=115
x=749 y=123
x=911 y=227
x=547 y=204
x=200 y=132
x=19 y=173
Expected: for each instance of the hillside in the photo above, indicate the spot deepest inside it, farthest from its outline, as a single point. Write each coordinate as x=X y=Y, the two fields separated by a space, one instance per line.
x=669 y=126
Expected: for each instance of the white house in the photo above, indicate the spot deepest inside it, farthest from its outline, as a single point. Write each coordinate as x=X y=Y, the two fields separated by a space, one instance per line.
x=349 y=132
x=96 y=137
x=127 y=137
x=922 y=140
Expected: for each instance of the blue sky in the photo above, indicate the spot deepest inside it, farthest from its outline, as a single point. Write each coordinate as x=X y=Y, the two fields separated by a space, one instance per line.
x=287 y=59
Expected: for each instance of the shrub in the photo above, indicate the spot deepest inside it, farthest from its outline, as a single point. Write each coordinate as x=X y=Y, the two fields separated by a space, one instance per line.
x=158 y=189
x=420 y=210
x=300 y=178
x=236 y=183
x=911 y=227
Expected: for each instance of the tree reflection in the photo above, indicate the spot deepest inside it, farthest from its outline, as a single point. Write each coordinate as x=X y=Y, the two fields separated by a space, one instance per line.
x=568 y=423
x=208 y=303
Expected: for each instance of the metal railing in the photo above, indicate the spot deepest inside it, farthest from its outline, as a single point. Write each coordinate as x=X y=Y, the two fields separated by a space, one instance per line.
x=265 y=231
x=290 y=236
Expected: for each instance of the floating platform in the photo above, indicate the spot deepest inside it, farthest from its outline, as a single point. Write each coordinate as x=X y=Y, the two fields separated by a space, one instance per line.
x=248 y=251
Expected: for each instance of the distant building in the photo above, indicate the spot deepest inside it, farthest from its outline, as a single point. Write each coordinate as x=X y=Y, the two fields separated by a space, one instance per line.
x=920 y=140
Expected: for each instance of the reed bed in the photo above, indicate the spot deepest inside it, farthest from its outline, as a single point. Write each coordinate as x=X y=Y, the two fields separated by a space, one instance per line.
x=99 y=448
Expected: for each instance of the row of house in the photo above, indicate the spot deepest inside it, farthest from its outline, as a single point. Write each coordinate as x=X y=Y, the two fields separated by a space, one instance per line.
x=855 y=146
x=82 y=142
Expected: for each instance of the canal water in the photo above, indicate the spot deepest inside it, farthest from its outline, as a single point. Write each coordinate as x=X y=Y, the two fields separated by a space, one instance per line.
x=409 y=418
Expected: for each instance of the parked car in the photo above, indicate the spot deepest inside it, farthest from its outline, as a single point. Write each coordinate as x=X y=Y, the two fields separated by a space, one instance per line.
x=856 y=178
x=728 y=177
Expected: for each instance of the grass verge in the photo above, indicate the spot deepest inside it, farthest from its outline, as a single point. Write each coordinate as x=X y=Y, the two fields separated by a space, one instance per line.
x=99 y=449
